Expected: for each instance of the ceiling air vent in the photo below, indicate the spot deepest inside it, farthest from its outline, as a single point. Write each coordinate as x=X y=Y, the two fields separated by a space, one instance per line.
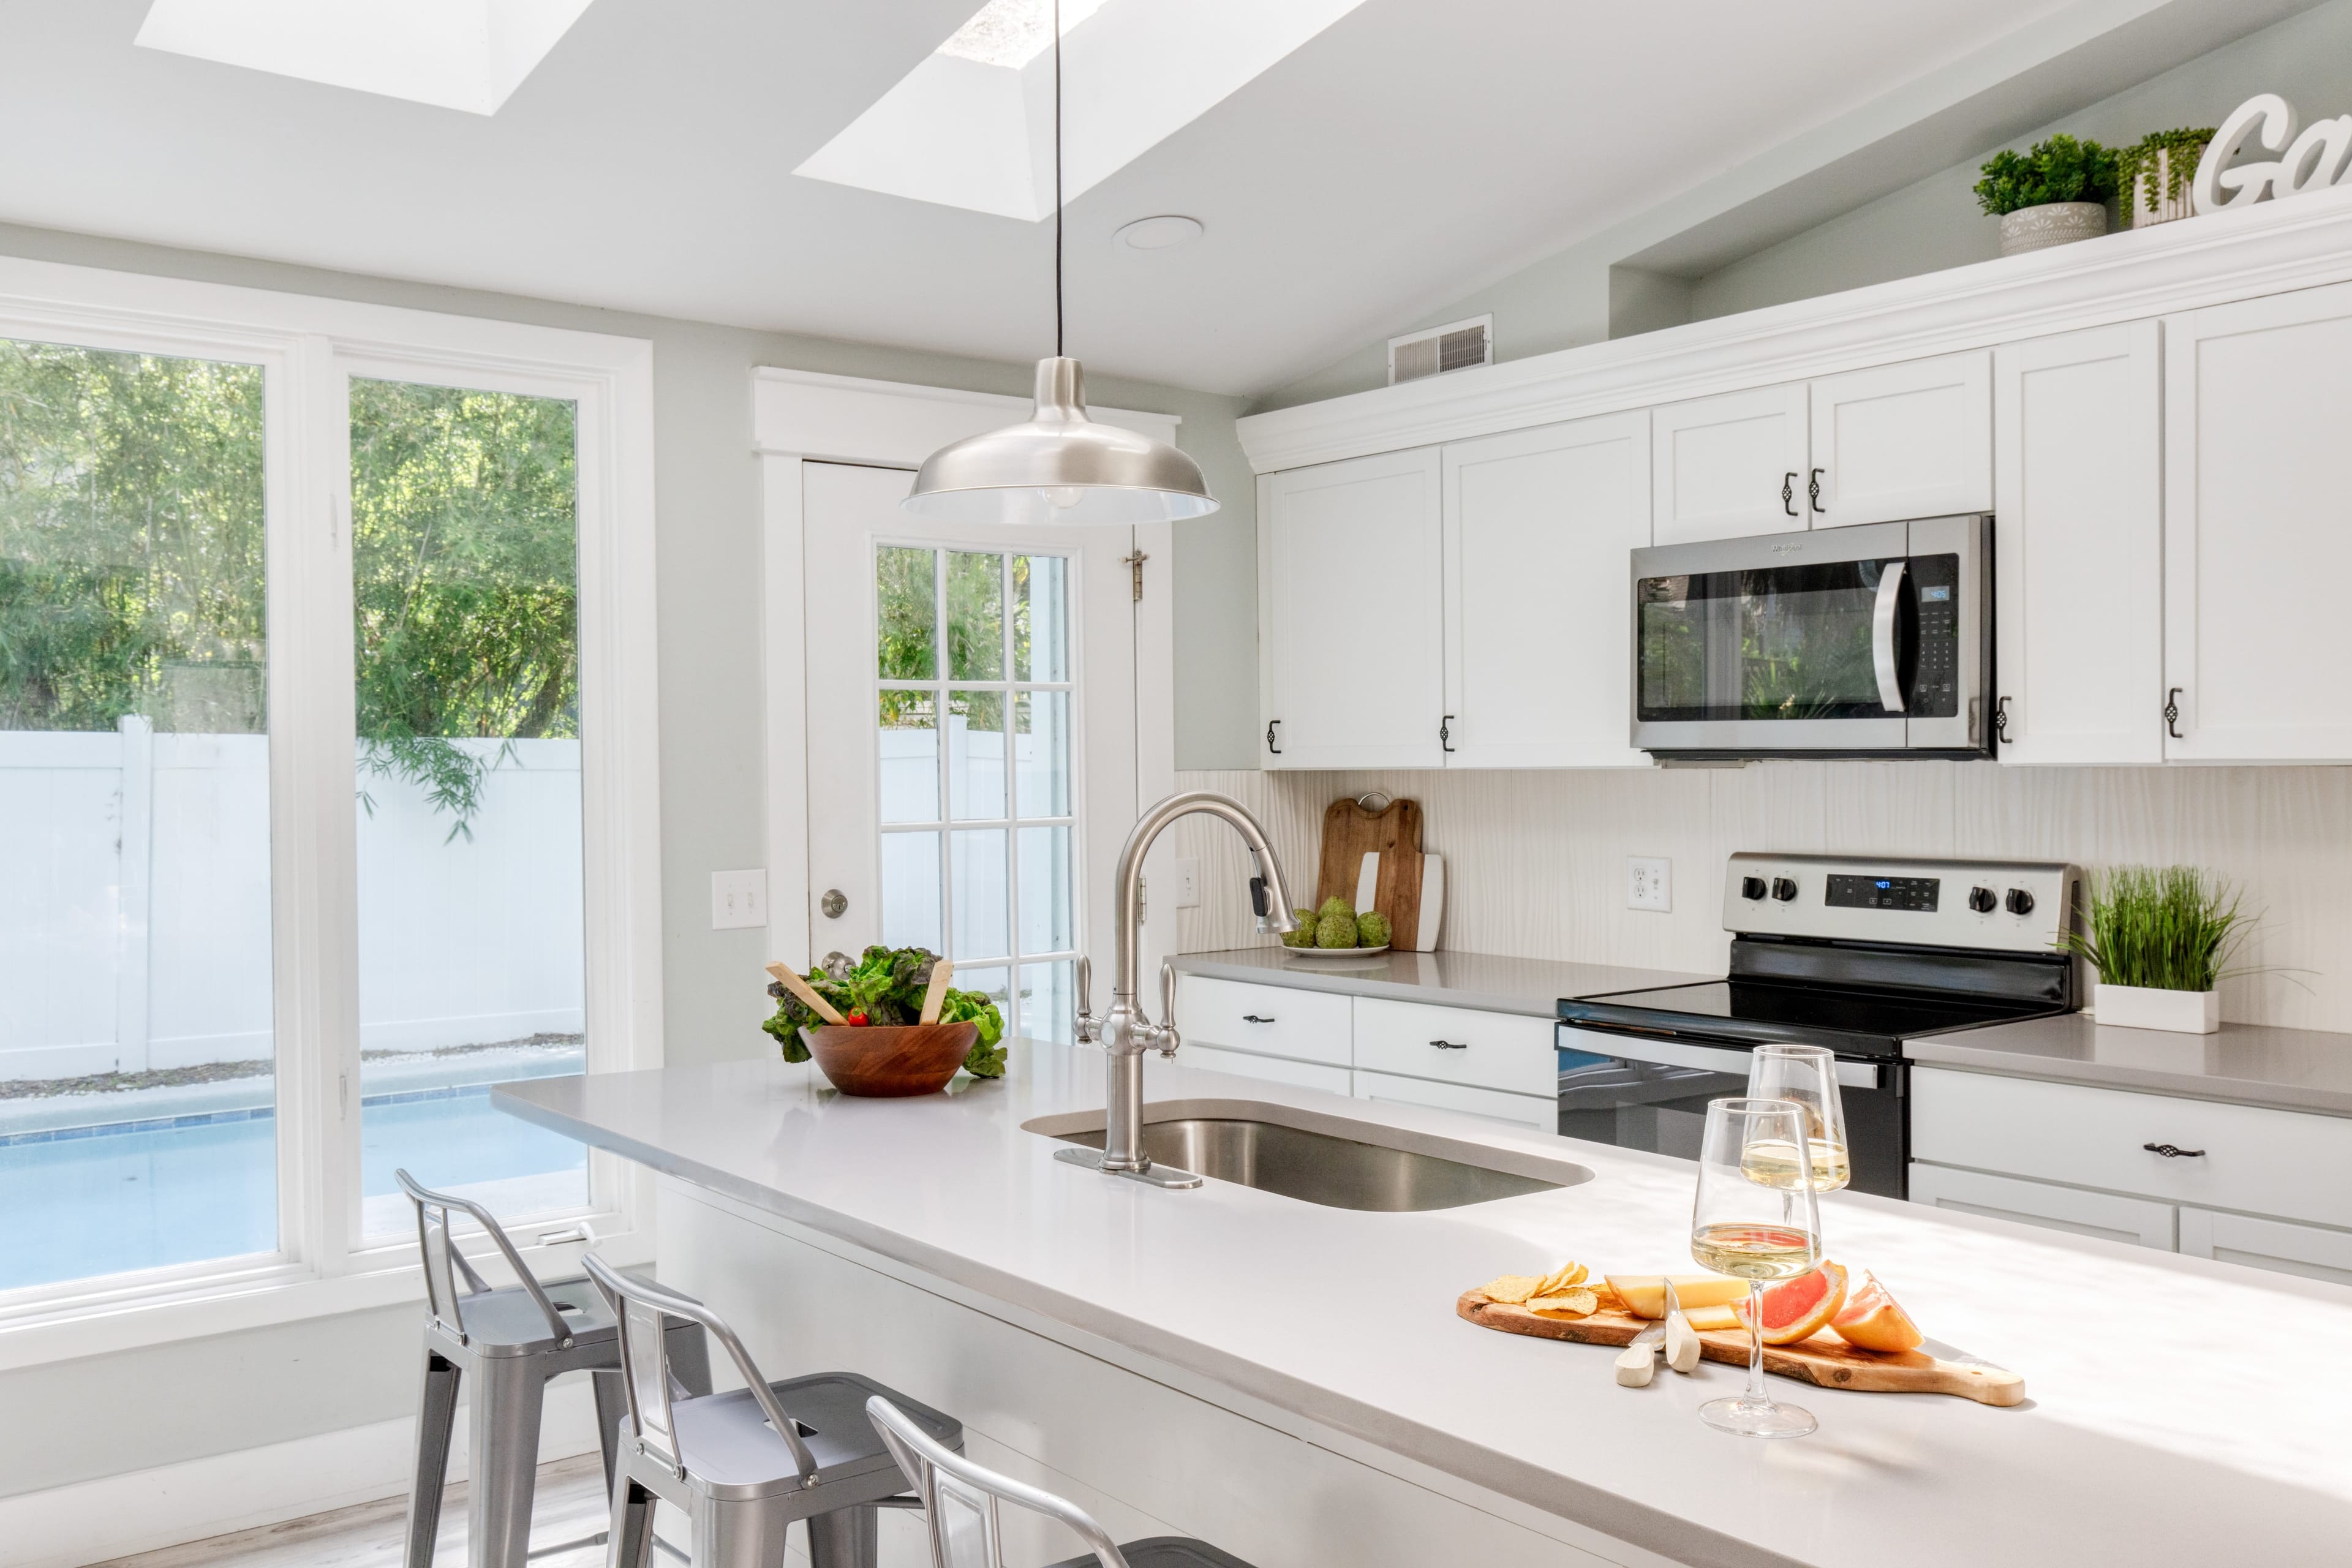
x=1455 y=347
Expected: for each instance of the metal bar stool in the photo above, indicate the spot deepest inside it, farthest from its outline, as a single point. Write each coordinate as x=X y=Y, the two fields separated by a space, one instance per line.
x=506 y=1343
x=747 y=1465
x=960 y=1498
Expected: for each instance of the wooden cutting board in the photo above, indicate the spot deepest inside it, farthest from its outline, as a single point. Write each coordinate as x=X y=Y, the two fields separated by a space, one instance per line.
x=1393 y=832
x=1824 y=1361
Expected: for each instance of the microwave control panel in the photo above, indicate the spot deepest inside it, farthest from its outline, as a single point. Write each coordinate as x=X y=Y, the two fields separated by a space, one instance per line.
x=1936 y=679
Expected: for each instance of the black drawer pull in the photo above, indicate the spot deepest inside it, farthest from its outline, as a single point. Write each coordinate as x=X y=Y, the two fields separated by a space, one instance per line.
x=1451 y=1045
x=1254 y=1018
x=2172 y=1153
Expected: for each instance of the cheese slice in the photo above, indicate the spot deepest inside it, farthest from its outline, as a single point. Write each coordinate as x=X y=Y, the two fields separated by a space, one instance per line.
x=1709 y=1318
x=1645 y=1295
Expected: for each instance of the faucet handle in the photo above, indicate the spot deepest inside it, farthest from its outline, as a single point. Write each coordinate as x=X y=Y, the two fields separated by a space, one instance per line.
x=1166 y=1036
x=1088 y=1026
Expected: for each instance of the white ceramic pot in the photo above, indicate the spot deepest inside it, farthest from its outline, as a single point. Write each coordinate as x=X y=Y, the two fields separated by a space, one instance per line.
x=2143 y=1007
x=2163 y=210
x=2052 y=223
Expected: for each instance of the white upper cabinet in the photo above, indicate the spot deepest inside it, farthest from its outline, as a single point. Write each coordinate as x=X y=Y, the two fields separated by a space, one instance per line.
x=2258 y=528
x=1901 y=441
x=1350 y=592
x=1730 y=465
x=1538 y=525
x=2078 y=547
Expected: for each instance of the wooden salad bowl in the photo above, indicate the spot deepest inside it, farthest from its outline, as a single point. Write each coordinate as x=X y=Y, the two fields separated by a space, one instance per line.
x=889 y=1060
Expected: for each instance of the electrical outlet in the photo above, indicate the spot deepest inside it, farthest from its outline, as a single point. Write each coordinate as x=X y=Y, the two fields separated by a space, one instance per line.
x=1188 y=882
x=738 y=899
x=1649 y=883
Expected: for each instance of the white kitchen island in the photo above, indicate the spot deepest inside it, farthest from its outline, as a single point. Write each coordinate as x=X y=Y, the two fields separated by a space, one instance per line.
x=1291 y=1381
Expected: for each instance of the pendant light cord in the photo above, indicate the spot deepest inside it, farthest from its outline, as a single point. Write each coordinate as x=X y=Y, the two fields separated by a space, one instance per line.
x=1057 y=179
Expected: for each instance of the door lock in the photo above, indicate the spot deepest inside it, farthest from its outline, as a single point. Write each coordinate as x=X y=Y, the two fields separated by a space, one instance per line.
x=835 y=903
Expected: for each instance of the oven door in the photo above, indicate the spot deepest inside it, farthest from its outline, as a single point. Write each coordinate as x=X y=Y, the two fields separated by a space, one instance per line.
x=1839 y=640
x=1637 y=1091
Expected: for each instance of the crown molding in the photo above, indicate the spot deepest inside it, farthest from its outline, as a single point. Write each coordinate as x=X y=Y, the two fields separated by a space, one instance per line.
x=2130 y=276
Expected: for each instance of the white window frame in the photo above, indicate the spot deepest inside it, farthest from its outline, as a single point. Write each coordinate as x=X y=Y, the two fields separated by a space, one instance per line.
x=308 y=348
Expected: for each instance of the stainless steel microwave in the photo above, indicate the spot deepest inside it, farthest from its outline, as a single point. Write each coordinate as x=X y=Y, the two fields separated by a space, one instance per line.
x=1856 y=641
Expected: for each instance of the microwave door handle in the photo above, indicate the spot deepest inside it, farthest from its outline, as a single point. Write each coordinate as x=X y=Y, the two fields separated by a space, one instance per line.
x=1881 y=637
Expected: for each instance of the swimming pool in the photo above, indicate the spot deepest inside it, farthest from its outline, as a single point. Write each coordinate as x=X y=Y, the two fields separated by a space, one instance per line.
x=113 y=1198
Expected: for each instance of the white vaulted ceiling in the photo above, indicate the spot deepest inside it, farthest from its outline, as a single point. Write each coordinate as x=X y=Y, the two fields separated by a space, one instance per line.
x=1402 y=152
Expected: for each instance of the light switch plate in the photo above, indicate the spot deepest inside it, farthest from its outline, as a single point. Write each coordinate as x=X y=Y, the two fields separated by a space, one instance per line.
x=1188 y=882
x=739 y=899
x=1649 y=883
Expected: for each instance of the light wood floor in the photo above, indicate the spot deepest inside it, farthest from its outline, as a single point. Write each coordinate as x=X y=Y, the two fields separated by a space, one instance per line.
x=572 y=1506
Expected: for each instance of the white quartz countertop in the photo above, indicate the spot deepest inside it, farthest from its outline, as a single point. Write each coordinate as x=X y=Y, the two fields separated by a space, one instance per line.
x=2180 y=1410
x=1489 y=981
x=2247 y=1064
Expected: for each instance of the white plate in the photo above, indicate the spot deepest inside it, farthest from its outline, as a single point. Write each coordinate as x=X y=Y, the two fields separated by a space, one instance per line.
x=1337 y=952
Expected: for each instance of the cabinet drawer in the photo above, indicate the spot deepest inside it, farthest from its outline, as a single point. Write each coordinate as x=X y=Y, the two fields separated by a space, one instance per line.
x=1265 y=1020
x=1488 y=1050
x=2302 y=1249
x=1526 y=1109
x=2286 y=1162
x=1274 y=1069
x=2103 y=1215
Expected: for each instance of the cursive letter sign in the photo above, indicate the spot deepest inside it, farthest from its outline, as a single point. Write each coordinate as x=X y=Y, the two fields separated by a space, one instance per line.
x=2319 y=158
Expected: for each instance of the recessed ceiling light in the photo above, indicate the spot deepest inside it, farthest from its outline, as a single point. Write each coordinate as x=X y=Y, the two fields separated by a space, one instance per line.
x=1159 y=233
x=453 y=54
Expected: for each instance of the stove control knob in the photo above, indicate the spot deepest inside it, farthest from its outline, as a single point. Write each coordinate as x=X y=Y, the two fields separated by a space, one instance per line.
x=2021 y=902
x=1984 y=901
x=1751 y=887
x=1783 y=889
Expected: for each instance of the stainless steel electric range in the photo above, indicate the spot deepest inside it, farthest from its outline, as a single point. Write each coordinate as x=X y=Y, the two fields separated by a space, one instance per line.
x=1858 y=954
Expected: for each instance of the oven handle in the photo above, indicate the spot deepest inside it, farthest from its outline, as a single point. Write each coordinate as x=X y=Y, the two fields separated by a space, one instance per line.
x=1715 y=1058
x=1881 y=637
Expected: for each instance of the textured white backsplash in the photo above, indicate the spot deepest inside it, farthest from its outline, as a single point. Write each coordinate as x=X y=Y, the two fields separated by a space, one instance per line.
x=1535 y=861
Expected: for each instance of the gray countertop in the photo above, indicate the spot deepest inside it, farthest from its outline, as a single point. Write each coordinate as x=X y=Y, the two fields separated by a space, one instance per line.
x=1485 y=981
x=2248 y=1064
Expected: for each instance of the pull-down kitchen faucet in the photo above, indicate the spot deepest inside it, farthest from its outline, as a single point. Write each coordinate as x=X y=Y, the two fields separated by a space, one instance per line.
x=1124 y=1033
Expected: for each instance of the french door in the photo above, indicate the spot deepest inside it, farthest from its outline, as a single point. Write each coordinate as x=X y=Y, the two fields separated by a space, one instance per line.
x=972 y=738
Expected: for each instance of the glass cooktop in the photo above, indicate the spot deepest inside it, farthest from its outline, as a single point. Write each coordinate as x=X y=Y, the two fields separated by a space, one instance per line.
x=1853 y=1023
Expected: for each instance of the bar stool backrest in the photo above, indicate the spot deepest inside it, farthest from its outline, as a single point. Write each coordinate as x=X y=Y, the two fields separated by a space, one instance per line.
x=960 y=1498
x=445 y=1264
x=639 y=1306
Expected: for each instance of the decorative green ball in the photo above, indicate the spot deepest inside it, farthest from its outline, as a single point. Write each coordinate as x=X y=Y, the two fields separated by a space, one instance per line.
x=1372 y=929
x=1335 y=905
x=1304 y=935
x=1336 y=931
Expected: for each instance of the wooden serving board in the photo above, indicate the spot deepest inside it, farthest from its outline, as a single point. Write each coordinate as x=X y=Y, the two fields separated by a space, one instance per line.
x=1393 y=832
x=1824 y=1361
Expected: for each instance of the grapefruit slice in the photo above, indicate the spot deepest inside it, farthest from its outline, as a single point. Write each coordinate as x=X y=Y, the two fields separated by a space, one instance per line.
x=1871 y=1321
x=1797 y=1309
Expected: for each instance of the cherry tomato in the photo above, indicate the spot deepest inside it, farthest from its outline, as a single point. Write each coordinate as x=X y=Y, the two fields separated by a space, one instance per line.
x=858 y=1020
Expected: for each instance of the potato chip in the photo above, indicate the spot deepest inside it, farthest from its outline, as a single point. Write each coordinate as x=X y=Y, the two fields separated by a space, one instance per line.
x=1575 y=1303
x=1566 y=1277
x=1512 y=1288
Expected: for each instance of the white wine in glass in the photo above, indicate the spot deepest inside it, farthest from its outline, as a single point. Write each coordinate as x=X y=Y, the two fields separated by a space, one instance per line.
x=1756 y=1231
x=1808 y=1075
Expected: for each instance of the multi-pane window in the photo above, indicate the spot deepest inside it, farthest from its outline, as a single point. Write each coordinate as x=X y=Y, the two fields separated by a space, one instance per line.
x=978 y=813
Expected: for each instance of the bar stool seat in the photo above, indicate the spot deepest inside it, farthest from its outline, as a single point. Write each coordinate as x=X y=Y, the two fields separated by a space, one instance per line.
x=1163 y=1551
x=728 y=1449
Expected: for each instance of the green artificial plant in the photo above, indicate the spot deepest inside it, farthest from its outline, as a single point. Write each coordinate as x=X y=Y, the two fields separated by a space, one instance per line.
x=2170 y=928
x=2185 y=147
x=2061 y=168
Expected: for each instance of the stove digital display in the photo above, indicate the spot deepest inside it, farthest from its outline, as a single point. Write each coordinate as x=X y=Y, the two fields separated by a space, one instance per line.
x=1882 y=893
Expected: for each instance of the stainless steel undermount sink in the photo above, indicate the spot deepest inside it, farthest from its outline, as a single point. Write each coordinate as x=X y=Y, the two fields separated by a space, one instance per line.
x=1321 y=1158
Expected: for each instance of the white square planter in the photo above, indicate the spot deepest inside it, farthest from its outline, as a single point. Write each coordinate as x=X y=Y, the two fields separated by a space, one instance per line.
x=2141 y=1007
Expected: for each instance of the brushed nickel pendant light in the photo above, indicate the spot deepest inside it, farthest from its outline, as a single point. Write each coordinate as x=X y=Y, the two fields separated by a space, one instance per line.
x=1058 y=466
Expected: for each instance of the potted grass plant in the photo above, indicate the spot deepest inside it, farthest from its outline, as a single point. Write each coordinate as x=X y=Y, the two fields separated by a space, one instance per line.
x=2160 y=938
x=2054 y=193
x=2152 y=175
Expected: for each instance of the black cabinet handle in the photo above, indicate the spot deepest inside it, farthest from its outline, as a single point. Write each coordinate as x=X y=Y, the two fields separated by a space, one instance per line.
x=2172 y=713
x=1788 y=492
x=1451 y=1045
x=2000 y=719
x=1814 y=490
x=1445 y=733
x=2170 y=1152
x=1270 y=746
x=1254 y=1018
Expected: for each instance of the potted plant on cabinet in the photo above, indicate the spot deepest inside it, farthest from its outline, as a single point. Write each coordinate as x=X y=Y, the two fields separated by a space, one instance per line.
x=2153 y=174
x=2054 y=193
x=2159 y=938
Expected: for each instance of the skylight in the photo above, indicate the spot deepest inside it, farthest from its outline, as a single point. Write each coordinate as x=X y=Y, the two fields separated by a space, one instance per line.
x=454 y=54
x=972 y=125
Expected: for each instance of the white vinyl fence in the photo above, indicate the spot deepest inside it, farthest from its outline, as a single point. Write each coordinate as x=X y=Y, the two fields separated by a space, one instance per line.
x=134 y=902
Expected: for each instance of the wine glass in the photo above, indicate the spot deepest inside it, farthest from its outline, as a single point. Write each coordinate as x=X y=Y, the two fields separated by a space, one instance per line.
x=1808 y=1075
x=1754 y=1230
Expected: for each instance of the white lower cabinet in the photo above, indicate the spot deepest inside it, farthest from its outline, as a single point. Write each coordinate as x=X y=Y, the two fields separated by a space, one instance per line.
x=2305 y=1249
x=1526 y=1109
x=1272 y=1069
x=2107 y=1215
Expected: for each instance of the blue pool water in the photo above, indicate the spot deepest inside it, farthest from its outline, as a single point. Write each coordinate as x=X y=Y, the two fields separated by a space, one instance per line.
x=107 y=1201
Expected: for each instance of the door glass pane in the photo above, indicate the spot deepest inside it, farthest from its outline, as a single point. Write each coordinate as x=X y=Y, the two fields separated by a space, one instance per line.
x=911 y=890
x=1049 y=1001
x=910 y=756
x=1041 y=751
x=138 y=1099
x=466 y=604
x=989 y=983
x=906 y=613
x=1040 y=610
x=976 y=616
x=1046 y=918
x=976 y=875
x=976 y=755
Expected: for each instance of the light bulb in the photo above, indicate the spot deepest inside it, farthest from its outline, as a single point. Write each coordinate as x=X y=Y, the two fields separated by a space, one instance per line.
x=1062 y=497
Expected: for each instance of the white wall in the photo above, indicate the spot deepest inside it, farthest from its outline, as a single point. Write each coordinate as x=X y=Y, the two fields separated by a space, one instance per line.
x=1535 y=861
